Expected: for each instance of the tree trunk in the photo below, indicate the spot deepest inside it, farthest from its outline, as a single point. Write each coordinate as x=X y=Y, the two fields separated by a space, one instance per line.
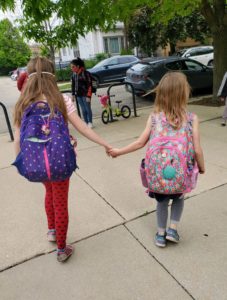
x=172 y=48
x=220 y=58
x=125 y=30
x=52 y=53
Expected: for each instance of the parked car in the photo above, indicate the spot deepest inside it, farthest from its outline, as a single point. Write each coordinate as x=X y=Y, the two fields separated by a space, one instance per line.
x=145 y=75
x=202 y=54
x=16 y=73
x=113 y=68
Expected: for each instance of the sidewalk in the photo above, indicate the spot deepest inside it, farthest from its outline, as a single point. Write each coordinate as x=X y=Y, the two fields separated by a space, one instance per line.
x=112 y=225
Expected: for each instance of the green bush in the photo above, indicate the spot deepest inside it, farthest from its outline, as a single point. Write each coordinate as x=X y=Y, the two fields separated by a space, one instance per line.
x=90 y=63
x=127 y=52
x=63 y=74
x=101 y=56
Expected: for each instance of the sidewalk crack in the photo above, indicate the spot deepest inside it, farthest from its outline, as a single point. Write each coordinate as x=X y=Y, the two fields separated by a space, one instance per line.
x=162 y=266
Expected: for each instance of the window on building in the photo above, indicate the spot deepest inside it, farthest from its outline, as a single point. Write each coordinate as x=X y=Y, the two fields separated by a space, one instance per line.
x=113 y=45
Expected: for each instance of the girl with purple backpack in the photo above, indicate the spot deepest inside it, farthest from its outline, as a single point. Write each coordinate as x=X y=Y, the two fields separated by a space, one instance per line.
x=173 y=155
x=43 y=148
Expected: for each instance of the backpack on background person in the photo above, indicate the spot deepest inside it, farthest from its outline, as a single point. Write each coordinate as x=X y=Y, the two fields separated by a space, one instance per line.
x=169 y=166
x=46 y=150
x=93 y=82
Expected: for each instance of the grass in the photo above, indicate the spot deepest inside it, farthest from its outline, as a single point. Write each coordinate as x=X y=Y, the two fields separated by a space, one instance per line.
x=64 y=86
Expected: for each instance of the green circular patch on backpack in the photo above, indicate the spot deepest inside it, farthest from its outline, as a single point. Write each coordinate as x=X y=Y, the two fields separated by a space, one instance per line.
x=169 y=172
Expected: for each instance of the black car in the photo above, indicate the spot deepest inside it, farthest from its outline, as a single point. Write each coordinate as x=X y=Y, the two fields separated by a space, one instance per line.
x=145 y=75
x=113 y=68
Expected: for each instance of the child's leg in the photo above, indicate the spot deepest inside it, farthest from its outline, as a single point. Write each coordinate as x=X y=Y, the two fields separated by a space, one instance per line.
x=176 y=211
x=162 y=215
x=49 y=207
x=83 y=106
x=60 y=200
x=89 y=112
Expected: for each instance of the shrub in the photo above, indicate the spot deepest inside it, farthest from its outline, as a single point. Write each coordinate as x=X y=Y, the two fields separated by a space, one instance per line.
x=63 y=74
x=127 y=52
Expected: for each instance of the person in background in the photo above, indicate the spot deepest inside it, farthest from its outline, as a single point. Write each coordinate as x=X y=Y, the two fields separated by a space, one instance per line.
x=222 y=93
x=82 y=88
x=21 y=80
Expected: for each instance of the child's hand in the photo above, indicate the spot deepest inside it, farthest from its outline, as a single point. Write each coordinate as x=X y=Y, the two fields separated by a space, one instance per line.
x=108 y=148
x=114 y=152
x=201 y=171
x=222 y=99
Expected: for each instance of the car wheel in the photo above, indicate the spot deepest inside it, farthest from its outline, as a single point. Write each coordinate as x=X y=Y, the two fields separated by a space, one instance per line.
x=211 y=63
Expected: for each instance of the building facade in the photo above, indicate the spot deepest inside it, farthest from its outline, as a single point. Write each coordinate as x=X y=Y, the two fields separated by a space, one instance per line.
x=93 y=43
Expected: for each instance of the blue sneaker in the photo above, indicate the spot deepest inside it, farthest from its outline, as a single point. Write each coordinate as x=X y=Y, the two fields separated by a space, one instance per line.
x=160 y=240
x=172 y=235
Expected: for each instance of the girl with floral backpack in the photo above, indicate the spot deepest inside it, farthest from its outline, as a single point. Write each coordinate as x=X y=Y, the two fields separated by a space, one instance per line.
x=43 y=145
x=174 y=155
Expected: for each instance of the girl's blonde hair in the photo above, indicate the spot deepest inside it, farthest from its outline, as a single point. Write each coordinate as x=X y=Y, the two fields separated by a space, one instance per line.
x=172 y=94
x=40 y=83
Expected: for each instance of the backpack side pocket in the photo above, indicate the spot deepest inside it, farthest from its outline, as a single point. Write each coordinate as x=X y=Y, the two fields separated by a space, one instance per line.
x=143 y=173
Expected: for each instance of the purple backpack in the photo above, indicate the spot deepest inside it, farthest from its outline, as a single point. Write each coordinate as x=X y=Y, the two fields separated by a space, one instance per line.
x=46 y=151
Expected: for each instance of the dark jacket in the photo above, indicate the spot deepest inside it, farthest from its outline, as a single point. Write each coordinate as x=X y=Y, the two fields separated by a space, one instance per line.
x=82 y=83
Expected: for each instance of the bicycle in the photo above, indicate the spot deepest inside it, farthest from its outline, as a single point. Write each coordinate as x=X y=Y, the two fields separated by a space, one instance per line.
x=118 y=111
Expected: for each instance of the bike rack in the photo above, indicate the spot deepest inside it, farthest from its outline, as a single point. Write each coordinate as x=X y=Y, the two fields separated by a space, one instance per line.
x=7 y=121
x=133 y=98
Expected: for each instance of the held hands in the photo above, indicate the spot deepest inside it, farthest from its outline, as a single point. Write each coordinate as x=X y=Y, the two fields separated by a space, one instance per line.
x=114 y=152
x=110 y=151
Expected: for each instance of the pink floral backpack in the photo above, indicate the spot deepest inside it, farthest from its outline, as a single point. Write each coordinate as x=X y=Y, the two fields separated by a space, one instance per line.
x=169 y=165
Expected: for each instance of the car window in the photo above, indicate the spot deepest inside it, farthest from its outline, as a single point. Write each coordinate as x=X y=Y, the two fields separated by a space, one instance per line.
x=175 y=65
x=193 y=66
x=206 y=51
x=123 y=60
x=132 y=59
x=112 y=61
x=193 y=52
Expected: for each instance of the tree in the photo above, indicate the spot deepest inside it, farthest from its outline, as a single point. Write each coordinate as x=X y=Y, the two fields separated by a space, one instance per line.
x=14 y=52
x=215 y=14
x=140 y=22
x=159 y=34
x=87 y=15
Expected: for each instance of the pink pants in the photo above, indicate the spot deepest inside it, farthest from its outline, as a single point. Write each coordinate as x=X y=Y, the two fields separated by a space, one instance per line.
x=56 y=205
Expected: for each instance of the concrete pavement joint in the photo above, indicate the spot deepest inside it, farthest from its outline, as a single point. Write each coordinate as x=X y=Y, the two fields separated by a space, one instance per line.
x=123 y=223
x=189 y=294
x=102 y=197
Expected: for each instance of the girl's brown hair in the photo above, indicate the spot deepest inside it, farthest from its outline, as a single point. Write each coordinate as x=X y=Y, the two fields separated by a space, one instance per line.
x=172 y=94
x=40 y=84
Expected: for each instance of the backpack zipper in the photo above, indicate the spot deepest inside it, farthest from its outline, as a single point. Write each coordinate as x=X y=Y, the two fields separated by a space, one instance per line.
x=47 y=164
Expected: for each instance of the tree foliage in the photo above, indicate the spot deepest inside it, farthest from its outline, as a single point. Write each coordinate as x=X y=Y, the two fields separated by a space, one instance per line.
x=159 y=34
x=87 y=15
x=14 y=52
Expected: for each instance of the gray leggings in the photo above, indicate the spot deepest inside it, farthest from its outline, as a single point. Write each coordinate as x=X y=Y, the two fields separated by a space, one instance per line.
x=176 y=211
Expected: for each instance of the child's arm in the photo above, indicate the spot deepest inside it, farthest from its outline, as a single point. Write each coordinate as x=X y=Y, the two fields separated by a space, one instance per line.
x=139 y=143
x=17 y=140
x=76 y=121
x=198 y=149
